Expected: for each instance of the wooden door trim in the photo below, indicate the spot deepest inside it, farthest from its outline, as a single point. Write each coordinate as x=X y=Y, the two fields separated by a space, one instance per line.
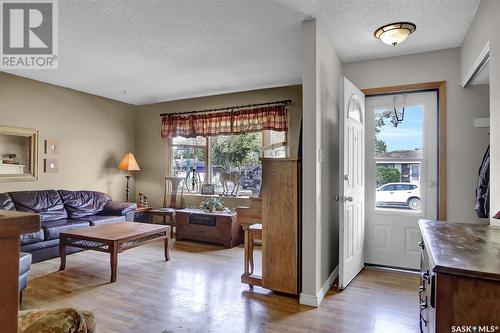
x=440 y=87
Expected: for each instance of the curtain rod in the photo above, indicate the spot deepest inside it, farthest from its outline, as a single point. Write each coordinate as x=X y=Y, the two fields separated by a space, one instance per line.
x=285 y=102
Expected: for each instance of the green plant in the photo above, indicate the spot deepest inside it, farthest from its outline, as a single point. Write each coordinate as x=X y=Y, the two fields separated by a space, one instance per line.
x=387 y=175
x=212 y=204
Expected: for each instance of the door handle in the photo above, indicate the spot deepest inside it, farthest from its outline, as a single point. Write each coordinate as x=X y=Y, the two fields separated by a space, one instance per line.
x=348 y=199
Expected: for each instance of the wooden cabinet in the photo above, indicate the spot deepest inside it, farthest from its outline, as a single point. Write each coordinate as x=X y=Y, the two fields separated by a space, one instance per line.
x=221 y=228
x=278 y=213
x=280 y=225
x=460 y=277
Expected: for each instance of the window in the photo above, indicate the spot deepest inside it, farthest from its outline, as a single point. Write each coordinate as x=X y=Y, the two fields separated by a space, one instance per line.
x=228 y=157
x=188 y=154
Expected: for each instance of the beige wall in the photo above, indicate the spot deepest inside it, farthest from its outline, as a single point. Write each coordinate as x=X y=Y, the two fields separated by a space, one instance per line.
x=151 y=148
x=321 y=70
x=486 y=28
x=465 y=143
x=93 y=132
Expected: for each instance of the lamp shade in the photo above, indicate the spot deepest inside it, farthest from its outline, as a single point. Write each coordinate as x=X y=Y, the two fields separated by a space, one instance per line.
x=395 y=33
x=129 y=163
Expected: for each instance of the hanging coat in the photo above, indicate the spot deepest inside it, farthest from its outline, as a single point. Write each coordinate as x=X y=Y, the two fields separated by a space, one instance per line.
x=483 y=187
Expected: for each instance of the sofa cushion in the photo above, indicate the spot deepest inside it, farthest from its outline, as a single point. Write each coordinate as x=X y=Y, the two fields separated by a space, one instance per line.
x=52 y=229
x=32 y=237
x=6 y=202
x=47 y=203
x=83 y=203
x=24 y=262
x=101 y=219
x=40 y=246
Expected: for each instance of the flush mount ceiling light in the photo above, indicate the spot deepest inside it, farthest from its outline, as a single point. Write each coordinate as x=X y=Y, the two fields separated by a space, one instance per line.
x=395 y=33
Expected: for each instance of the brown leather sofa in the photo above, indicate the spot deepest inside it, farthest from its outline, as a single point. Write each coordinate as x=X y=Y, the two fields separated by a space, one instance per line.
x=61 y=211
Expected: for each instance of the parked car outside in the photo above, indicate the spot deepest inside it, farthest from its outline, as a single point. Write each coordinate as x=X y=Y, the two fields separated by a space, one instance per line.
x=398 y=194
x=246 y=183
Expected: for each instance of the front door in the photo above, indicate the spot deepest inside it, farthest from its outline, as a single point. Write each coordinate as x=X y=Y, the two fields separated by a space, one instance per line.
x=401 y=175
x=352 y=183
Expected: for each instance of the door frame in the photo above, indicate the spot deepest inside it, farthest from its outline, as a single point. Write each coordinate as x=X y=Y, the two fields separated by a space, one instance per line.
x=440 y=87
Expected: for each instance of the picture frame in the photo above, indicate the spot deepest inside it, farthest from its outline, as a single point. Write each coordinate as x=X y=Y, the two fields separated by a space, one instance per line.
x=50 y=165
x=208 y=189
x=51 y=147
x=27 y=164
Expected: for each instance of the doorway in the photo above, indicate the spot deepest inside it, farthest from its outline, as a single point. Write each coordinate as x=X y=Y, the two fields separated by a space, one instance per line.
x=402 y=174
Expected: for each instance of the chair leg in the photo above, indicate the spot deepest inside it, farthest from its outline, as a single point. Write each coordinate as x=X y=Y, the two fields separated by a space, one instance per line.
x=250 y=253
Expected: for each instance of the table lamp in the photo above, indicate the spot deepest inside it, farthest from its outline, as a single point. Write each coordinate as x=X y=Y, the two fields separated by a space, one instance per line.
x=128 y=164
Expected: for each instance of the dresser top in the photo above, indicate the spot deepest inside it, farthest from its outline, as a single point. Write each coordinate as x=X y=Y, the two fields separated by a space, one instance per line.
x=463 y=249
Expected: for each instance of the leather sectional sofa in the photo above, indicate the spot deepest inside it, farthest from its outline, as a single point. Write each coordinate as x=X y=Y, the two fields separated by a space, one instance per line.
x=62 y=211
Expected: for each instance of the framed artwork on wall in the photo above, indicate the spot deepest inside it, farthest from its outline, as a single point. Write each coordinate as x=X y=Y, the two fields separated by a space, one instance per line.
x=51 y=147
x=18 y=153
x=50 y=165
x=207 y=189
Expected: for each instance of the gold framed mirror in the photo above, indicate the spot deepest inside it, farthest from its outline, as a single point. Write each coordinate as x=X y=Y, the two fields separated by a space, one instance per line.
x=18 y=153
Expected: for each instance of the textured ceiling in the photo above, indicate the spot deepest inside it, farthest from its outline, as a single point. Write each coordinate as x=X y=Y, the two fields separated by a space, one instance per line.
x=164 y=50
x=350 y=24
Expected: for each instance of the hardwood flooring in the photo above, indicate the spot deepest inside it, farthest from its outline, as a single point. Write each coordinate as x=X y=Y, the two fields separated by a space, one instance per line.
x=199 y=290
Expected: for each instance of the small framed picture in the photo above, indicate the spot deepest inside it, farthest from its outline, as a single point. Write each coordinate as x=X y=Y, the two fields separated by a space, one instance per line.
x=51 y=147
x=50 y=165
x=208 y=189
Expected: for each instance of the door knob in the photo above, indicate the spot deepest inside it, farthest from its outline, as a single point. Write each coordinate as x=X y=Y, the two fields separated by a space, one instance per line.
x=348 y=199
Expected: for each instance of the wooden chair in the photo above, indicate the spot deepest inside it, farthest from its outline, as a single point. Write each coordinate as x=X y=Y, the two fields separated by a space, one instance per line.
x=250 y=219
x=254 y=233
x=169 y=207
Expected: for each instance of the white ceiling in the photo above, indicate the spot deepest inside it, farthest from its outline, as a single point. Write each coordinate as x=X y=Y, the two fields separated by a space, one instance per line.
x=164 y=50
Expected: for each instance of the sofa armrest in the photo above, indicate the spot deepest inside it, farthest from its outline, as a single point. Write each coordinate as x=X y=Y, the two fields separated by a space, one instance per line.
x=115 y=208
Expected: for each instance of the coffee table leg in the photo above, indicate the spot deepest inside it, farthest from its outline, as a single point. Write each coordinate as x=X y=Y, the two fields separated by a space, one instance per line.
x=166 y=246
x=113 y=261
x=62 y=255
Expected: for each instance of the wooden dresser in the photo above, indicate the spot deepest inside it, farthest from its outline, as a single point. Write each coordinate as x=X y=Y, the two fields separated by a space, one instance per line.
x=460 y=284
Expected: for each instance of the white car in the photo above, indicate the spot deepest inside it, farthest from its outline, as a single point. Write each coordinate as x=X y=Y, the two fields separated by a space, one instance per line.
x=398 y=194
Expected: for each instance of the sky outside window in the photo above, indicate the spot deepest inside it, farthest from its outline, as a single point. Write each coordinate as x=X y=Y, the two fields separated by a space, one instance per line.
x=408 y=134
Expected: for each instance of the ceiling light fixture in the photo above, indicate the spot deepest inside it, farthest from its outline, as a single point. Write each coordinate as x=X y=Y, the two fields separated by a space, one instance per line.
x=395 y=33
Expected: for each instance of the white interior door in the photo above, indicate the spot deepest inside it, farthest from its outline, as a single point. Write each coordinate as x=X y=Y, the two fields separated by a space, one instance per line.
x=352 y=191
x=401 y=175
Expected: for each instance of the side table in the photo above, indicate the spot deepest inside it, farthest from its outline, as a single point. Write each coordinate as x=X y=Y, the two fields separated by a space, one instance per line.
x=141 y=214
x=164 y=212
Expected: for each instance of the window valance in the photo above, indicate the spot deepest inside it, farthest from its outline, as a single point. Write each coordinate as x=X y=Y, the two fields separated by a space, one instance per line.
x=255 y=119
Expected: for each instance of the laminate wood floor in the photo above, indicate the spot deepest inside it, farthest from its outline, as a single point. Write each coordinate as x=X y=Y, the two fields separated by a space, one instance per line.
x=199 y=290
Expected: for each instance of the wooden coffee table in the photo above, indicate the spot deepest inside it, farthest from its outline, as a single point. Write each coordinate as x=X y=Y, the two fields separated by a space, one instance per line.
x=113 y=239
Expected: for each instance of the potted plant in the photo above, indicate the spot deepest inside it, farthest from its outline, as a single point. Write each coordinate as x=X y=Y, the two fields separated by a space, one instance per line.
x=212 y=205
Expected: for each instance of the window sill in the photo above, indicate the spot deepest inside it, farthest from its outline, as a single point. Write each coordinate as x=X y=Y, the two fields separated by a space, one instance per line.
x=188 y=194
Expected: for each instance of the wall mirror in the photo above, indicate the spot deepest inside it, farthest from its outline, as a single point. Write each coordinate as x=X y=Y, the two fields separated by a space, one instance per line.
x=18 y=154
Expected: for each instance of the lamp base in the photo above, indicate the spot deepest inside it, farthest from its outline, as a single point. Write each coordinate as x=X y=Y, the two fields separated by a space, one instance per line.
x=127 y=189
